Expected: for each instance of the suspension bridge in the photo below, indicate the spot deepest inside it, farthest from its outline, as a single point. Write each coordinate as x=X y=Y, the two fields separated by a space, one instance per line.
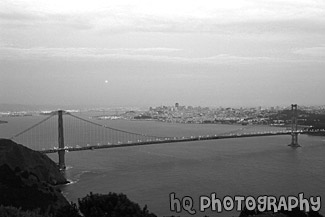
x=62 y=132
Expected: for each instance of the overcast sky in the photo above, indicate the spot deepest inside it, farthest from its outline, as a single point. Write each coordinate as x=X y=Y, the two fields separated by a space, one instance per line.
x=149 y=53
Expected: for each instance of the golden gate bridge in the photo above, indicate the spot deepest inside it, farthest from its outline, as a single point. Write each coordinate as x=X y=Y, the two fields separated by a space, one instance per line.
x=53 y=134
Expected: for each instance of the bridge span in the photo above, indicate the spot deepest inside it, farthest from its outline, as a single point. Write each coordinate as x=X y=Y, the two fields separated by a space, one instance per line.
x=115 y=138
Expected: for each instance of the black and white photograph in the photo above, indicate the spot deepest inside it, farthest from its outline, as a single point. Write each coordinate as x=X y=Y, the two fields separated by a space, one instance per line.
x=151 y=108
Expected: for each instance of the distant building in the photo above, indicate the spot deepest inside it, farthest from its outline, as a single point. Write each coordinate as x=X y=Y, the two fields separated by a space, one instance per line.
x=176 y=105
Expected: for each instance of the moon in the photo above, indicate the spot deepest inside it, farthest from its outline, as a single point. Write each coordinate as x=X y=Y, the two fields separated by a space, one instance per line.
x=106 y=81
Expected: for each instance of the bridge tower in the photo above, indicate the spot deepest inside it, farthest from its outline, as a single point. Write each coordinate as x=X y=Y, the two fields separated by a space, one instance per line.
x=61 y=151
x=294 y=126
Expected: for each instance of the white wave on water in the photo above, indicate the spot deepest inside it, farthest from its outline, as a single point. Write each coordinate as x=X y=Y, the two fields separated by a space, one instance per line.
x=78 y=176
x=71 y=182
x=69 y=167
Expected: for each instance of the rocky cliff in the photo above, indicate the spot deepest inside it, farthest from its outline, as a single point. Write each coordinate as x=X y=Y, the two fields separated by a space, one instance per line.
x=20 y=157
x=27 y=179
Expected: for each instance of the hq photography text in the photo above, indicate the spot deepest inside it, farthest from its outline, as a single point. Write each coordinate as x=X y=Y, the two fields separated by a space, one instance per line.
x=261 y=203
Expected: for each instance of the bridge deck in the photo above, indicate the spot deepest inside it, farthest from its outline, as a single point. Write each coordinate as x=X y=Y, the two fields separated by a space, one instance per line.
x=170 y=140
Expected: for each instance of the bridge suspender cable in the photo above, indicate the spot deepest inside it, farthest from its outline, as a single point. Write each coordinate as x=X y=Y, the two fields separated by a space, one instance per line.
x=237 y=130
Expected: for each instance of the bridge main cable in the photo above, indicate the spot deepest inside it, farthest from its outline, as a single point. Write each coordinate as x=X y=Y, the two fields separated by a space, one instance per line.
x=33 y=126
x=114 y=129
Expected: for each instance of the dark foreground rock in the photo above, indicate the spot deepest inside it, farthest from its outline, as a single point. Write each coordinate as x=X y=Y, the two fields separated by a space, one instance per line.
x=27 y=179
x=19 y=157
x=22 y=191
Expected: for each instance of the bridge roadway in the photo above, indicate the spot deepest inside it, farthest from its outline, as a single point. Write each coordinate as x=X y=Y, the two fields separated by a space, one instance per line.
x=174 y=140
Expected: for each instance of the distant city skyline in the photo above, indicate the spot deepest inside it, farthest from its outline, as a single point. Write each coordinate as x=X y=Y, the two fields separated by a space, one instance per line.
x=150 y=53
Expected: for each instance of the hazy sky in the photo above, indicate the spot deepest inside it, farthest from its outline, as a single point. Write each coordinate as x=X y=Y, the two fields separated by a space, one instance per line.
x=147 y=52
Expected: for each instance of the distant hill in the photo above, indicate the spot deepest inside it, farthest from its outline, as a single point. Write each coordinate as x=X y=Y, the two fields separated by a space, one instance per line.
x=4 y=107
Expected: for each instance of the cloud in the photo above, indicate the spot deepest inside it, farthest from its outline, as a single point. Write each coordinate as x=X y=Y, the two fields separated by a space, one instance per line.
x=40 y=20
x=14 y=16
x=171 y=16
x=250 y=16
x=90 y=53
x=47 y=27
x=158 y=54
x=311 y=51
